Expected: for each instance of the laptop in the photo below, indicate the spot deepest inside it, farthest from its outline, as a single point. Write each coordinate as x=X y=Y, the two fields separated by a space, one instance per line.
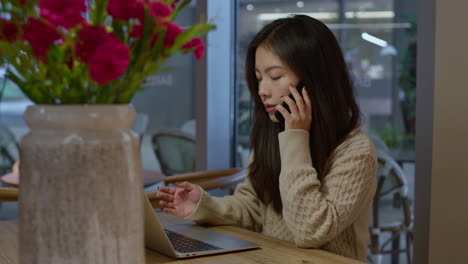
x=187 y=240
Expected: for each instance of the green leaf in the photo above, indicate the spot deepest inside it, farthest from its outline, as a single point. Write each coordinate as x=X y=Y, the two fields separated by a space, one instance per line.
x=158 y=47
x=178 y=8
x=11 y=76
x=190 y=33
x=98 y=12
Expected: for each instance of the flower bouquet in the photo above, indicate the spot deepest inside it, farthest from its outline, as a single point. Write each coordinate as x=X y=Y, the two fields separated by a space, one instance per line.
x=81 y=62
x=91 y=52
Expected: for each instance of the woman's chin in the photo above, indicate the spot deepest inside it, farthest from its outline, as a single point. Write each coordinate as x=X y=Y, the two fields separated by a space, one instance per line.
x=273 y=117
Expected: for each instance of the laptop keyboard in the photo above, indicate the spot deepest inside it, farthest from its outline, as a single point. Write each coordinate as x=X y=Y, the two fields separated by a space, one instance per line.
x=184 y=244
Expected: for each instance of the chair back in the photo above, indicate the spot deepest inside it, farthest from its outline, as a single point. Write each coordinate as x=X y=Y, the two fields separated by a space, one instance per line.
x=175 y=151
x=392 y=189
x=391 y=186
x=9 y=150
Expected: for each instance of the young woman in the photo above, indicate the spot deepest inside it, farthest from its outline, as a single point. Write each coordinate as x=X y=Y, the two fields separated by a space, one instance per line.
x=311 y=181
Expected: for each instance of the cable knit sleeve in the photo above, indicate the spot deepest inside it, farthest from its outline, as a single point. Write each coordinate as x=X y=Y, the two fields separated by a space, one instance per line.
x=316 y=212
x=240 y=209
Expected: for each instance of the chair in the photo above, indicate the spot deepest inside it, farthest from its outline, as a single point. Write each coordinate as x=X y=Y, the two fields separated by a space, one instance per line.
x=391 y=183
x=378 y=143
x=175 y=151
x=9 y=150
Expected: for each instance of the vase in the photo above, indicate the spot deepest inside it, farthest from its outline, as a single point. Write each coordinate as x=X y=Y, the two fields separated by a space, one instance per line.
x=80 y=186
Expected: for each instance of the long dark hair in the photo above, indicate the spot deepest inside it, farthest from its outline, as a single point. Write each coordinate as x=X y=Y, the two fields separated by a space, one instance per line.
x=311 y=51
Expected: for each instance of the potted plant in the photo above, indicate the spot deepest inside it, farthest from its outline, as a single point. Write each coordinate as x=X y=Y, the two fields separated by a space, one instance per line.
x=81 y=62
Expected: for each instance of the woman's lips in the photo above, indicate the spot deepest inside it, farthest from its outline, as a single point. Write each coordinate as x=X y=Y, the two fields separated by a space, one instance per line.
x=270 y=108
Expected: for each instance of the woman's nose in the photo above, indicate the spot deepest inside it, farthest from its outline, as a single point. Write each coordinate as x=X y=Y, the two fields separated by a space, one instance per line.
x=263 y=90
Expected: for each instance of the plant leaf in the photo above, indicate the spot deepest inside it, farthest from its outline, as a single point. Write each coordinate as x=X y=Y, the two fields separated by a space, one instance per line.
x=190 y=33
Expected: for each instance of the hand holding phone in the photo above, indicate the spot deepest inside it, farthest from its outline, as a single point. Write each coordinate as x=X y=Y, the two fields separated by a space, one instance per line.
x=278 y=114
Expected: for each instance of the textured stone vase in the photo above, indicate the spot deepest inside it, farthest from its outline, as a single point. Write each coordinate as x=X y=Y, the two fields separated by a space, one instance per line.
x=80 y=186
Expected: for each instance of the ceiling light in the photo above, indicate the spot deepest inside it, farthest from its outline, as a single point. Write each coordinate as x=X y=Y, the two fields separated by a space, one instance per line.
x=379 y=42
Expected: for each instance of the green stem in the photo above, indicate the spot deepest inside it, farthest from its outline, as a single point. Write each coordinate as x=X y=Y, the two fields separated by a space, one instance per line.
x=99 y=13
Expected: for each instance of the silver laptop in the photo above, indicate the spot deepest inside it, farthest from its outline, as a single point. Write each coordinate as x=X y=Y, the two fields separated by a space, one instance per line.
x=187 y=240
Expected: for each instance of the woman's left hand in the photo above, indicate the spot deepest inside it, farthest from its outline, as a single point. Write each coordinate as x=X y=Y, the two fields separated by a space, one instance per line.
x=301 y=110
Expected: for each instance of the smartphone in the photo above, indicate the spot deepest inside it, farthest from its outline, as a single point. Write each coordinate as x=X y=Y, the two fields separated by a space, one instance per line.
x=278 y=114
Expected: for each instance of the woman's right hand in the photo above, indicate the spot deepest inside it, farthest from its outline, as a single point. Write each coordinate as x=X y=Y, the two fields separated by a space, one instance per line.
x=181 y=201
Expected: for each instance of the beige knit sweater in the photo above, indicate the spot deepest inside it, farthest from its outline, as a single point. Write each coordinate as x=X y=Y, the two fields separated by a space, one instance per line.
x=332 y=214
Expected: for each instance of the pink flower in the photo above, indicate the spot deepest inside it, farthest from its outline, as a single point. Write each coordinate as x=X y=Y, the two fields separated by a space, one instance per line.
x=138 y=11
x=195 y=42
x=40 y=35
x=9 y=30
x=197 y=45
x=159 y=9
x=126 y=9
x=137 y=31
x=109 y=62
x=63 y=13
x=173 y=5
x=172 y=32
x=199 y=51
x=90 y=37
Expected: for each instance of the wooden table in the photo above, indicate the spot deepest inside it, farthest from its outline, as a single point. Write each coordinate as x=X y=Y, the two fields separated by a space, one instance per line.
x=272 y=250
x=149 y=178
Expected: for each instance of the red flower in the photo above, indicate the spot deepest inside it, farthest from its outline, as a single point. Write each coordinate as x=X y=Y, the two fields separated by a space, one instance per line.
x=172 y=32
x=138 y=11
x=109 y=62
x=126 y=9
x=9 y=30
x=195 y=42
x=90 y=38
x=63 y=13
x=159 y=9
x=137 y=31
x=22 y=1
x=197 y=45
x=173 y=5
x=40 y=35
x=199 y=51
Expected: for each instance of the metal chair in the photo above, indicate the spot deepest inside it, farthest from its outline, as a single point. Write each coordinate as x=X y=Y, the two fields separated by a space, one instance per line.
x=175 y=151
x=9 y=150
x=391 y=183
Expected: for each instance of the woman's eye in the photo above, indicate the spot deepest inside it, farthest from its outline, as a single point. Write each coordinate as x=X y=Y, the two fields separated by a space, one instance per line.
x=275 y=78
